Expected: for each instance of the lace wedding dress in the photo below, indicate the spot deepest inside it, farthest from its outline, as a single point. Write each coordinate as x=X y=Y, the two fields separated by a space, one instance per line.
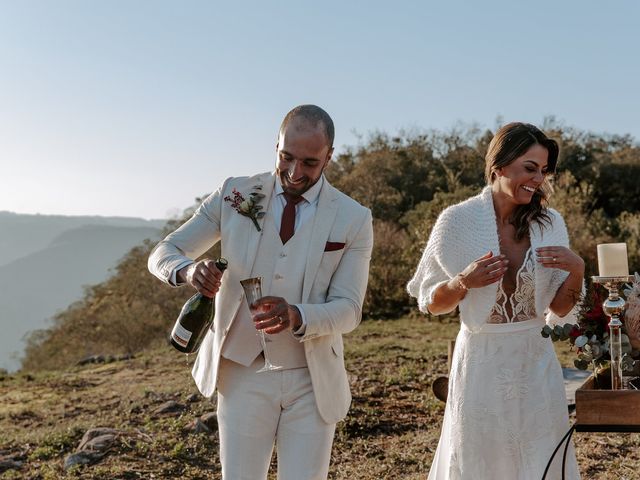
x=506 y=407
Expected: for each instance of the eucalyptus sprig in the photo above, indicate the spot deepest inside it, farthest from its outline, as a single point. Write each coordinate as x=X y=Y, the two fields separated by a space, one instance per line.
x=592 y=348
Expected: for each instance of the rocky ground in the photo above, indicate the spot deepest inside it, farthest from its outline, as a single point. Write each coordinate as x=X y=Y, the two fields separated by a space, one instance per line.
x=143 y=418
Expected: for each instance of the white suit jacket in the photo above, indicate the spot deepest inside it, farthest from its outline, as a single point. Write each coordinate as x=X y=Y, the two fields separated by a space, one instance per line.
x=333 y=290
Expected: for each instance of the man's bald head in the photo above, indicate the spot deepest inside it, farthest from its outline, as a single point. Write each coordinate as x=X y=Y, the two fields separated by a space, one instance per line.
x=310 y=116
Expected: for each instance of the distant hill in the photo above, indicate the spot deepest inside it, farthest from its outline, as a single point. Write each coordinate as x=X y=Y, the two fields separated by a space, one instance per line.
x=21 y=235
x=46 y=260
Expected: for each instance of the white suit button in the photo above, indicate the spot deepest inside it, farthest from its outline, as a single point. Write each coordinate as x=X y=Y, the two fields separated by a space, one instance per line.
x=282 y=254
x=277 y=276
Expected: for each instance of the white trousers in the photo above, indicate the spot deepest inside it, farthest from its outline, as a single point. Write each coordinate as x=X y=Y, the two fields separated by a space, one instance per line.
x=257 y=409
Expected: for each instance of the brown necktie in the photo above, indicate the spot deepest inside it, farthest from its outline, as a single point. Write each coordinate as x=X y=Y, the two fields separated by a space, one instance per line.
x=288 y=222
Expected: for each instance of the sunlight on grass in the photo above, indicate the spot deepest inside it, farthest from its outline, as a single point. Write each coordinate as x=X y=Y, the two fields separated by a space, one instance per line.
x=390 y=432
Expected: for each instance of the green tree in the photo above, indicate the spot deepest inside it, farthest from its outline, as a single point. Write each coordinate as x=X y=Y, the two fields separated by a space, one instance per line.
x=406 y=180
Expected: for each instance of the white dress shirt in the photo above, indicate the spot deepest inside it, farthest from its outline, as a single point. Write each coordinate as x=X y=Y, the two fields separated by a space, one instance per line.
x=305 y=210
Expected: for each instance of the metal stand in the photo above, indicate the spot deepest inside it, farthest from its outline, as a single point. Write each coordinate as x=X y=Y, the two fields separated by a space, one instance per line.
x=566 y=438
x=576 y=427
x=613 y=307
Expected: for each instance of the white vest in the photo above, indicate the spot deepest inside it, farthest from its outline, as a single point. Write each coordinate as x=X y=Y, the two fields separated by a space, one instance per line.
x=282 y=270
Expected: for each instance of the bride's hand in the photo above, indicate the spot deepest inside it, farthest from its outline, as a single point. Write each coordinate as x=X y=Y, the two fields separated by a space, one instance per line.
x=483 y=271
x=561 y=258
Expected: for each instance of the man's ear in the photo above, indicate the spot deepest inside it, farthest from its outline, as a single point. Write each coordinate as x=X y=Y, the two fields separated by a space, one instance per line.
x=329 y=154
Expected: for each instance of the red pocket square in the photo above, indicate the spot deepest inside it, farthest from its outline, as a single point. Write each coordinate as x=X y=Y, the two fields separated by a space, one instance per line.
x=333 y=246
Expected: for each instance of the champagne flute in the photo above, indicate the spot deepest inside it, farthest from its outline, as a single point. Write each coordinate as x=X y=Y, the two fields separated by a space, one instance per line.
x=253 y=291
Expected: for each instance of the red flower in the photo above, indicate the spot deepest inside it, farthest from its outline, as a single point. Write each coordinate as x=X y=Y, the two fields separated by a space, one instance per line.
x=595 y=313
x=575 y=332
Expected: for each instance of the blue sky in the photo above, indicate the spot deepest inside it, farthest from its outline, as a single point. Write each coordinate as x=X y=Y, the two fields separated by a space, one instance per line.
x=134 y=108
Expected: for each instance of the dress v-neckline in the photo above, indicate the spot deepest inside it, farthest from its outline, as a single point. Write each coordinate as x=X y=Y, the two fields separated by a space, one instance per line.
x=503 y=299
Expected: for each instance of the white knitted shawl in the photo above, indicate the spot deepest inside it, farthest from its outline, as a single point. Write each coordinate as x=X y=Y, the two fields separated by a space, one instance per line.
x=468 y=230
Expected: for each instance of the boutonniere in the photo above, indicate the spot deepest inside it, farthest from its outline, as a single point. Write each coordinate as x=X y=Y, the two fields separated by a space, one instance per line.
x=248 y=207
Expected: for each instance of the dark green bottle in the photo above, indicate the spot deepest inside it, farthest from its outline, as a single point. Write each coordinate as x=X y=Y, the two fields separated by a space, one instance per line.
x=195 y=319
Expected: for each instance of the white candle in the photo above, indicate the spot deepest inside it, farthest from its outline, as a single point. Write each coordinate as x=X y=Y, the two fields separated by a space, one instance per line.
x=612 y=260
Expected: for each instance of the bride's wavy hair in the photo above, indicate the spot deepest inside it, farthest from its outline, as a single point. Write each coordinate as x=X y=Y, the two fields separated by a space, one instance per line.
x=509 y=143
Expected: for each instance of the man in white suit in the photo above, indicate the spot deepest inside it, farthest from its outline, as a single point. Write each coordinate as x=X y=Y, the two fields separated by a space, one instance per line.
x=312 y=245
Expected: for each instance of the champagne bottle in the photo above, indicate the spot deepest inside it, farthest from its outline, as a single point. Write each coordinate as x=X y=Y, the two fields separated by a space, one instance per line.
x=195 y=319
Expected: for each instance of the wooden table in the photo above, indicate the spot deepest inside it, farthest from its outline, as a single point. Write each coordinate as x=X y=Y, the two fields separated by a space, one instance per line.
x=600 y=409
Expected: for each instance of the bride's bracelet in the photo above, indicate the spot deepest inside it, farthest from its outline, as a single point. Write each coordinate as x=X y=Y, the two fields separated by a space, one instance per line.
x=458 y=278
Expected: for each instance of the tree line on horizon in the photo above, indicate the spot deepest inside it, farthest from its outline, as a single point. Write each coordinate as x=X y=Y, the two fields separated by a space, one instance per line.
x=406 y=180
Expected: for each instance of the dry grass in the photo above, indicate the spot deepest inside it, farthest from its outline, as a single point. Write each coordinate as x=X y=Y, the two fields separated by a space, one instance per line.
x=391 y=432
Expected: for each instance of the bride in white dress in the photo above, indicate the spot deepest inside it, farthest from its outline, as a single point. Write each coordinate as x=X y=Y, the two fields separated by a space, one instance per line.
x=503 y=258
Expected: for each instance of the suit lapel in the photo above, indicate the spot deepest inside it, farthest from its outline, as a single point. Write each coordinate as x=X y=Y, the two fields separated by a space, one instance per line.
x=322 y=222
x=253 y=236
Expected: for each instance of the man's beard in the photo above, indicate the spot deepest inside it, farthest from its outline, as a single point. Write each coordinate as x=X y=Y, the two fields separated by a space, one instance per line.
x=299 y=188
